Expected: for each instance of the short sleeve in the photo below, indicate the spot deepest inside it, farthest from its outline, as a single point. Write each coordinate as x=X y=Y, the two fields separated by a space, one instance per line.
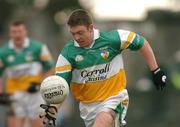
x=64 y=67
x=46 y=58
x=130 y=40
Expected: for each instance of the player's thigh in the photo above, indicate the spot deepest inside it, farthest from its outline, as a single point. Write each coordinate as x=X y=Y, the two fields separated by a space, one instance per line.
x=17 y=105
x=14 y=121
x=33 y=107
x=104 y=119
x=37 y=122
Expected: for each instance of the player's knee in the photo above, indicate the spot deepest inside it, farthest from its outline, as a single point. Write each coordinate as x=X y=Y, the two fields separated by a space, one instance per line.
x=105 y=117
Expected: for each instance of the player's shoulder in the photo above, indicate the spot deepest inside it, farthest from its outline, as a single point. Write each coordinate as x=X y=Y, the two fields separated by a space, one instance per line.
x=110 y=35
x=35 y=43
x=4 y=48
x=124 y=33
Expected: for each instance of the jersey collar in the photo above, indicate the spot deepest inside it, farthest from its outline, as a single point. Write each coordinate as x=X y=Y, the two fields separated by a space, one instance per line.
x=96 y=36
x=25 y=45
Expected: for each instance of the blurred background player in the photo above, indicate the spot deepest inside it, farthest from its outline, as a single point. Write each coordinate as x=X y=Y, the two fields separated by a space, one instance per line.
x=26 y=62
x=92 y=63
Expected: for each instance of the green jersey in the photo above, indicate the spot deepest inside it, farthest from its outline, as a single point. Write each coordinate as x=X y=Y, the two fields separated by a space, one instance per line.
x=97 y=72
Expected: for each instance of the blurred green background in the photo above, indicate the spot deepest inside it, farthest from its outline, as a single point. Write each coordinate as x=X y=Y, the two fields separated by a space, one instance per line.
x=157 y=20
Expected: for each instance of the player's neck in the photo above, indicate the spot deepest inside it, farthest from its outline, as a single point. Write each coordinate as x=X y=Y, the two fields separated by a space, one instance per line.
x=18 y=46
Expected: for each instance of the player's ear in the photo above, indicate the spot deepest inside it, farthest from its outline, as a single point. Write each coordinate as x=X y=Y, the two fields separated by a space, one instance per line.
x=90 y=27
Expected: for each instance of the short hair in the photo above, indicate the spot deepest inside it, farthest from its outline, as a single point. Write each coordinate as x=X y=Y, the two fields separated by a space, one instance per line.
x=79 y=17
x=17 y=23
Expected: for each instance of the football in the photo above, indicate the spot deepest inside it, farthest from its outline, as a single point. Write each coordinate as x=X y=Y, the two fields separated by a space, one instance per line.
x=54 y=89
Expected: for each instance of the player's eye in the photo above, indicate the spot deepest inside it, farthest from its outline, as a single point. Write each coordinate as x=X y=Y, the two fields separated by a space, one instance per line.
x=81 y=32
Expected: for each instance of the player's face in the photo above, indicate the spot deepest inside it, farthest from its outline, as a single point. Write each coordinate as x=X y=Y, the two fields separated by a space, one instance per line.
x=18 y=34
x=82 y=34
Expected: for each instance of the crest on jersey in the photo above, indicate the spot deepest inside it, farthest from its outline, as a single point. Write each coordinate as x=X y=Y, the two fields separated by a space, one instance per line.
x=10 y=58
x=79 y=58
x=104 y=54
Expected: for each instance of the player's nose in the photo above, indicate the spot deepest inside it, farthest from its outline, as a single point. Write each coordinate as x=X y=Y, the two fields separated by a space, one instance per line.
x=77 y=38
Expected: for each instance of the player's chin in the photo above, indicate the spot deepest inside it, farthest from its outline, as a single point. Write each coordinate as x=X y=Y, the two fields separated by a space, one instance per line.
x=84 y=44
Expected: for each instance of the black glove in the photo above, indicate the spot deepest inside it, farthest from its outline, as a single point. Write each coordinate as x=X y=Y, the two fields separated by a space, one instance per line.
x=5 y=99
x=159 y=78
x=34 y=87
x=49 y=116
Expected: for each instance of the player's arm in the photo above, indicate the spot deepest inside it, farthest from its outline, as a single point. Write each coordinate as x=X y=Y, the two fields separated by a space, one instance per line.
x=47 y=61
x=148 y=55
x=134 y=42
x=2 y=68
x=48 y=67
x=1 y=88
x=159 y=77
x=4 y=98
x=63 y=69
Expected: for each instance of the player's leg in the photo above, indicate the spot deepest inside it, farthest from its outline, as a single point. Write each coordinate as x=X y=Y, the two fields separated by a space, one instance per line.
x=17 y=119
x=110 y=110
x=113 y=111
x=14 y=121
x=37 y=122
x=104 y=119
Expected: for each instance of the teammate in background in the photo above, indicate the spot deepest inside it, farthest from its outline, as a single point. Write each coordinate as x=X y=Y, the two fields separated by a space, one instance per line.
x=26 y=62
x=92 y=64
